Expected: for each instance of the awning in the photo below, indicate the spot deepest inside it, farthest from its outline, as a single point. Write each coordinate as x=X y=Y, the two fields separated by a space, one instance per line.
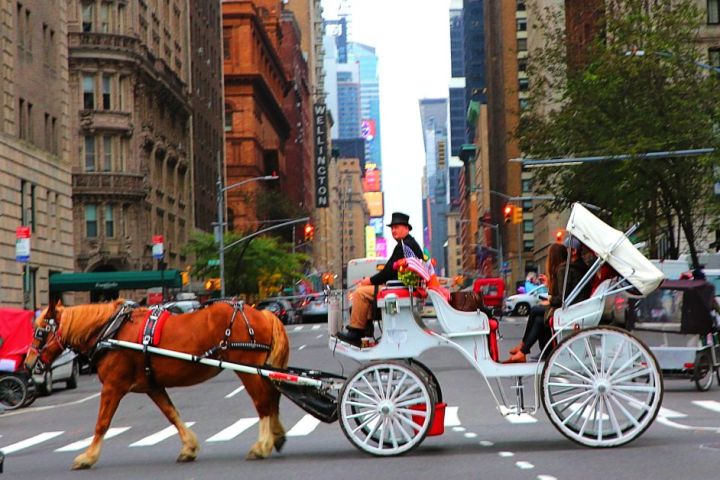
x=78 y=282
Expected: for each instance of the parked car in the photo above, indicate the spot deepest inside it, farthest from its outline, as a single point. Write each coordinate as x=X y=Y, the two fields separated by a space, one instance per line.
x=521 y=303
x=183 y=306
x=65 y=368
x=313 y=309
x=280 y=307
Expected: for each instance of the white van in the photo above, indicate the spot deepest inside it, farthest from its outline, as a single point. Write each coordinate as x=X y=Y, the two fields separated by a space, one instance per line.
x=672 y=268
x=358 y=268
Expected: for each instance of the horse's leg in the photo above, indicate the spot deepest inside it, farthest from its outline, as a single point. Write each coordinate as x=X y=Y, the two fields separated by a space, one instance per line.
x=267 y=400
x=109 y=400
x=190 y=446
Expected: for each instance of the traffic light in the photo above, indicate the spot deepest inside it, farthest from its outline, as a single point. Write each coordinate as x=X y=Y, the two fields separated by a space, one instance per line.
x=212 y=284
x=508 y=213
x=559 y=235
x=309 y=232
x=328 y=278
x=517 y=215
x=185 y=277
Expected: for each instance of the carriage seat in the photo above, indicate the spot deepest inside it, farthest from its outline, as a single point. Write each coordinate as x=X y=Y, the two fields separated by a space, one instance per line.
x=585 y=314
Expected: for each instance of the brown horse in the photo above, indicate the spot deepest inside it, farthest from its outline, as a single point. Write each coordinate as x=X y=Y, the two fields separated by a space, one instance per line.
x=122 y=371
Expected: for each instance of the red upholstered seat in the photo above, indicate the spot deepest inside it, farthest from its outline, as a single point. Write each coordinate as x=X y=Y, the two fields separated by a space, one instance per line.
x=492 y=339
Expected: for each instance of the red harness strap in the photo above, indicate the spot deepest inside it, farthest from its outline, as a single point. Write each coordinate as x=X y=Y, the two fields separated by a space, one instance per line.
x=154 y=323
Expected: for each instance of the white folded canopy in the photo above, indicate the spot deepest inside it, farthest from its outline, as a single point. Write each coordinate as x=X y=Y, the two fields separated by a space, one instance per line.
x=613 y=247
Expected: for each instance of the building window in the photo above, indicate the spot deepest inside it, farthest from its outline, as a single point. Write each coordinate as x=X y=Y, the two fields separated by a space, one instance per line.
x=228 y=118
x=22 y=122
x=87 y=16
x=527 y=226
x=526 y=185
x=88 y=92
x=27 y=204
x=522 y=24
x=520 y=5
x=227 y=41
x=29 y=300
x=109 y=222
x=522 y=44
x=528 y=245
x=527 y=205
x=713 y=12
x=105 y=17
x=91 y=221
x=107 y=153
x=524 y=84
x=106 y=93
x=89 y=154
x=714 y=57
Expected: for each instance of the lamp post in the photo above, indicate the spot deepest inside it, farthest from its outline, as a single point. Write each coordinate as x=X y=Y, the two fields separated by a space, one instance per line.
x=220 y=220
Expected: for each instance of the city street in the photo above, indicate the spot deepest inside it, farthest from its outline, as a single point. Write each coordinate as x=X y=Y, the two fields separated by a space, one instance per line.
x=42 y=440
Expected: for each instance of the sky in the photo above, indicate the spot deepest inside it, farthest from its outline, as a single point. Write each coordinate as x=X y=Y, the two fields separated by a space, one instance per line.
x=412 y=41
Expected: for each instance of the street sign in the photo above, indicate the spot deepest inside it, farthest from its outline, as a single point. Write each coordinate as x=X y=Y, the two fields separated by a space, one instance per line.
x=214 y=262
x=22 y=244
x=157 y=247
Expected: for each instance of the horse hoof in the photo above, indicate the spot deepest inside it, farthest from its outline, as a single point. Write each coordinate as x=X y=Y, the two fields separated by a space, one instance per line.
x=252 y=455
x=279 y=444
x=81 y=465
x=185 y=458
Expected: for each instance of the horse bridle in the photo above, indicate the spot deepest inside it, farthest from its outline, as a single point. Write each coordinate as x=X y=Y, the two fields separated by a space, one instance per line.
x=42 y=334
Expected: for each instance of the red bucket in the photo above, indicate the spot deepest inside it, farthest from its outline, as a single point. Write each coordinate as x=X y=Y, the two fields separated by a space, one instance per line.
x=438 y=425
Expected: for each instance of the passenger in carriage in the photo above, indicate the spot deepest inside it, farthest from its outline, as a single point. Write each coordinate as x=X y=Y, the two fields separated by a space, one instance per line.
x=364 y=295
x=538 y=326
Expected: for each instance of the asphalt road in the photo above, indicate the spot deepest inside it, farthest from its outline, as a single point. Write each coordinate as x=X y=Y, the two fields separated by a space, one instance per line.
x=42 y=440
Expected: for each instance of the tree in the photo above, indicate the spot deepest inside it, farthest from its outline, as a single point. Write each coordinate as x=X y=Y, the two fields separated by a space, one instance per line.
x=265 y=260
x=608 y=102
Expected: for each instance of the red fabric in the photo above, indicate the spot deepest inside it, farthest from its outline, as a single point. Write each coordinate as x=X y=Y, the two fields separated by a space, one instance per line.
x=492 y=339
x=16 y=331
x=606 y=272
x=158 y=327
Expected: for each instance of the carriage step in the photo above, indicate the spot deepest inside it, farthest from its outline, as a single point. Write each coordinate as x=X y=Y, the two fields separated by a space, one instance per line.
x=471 y=333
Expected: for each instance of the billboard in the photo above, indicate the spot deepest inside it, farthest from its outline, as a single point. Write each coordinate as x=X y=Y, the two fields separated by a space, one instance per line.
x=367 y=129
x=321 y=157
x=369 y=242
x=374 y=202
x=381 y=247
x=371 y=181
x=378 y=225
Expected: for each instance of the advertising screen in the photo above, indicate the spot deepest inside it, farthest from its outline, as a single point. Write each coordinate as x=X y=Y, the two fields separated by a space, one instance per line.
x=375 y=203
x=381 y=247
x=371 y=181
x=378 y=225
x=369 y=242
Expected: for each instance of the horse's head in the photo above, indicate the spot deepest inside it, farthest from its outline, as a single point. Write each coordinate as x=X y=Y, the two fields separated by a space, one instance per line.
x=47 y=342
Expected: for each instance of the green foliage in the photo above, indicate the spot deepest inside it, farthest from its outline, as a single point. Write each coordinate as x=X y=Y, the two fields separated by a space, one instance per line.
x=612 y=103
x=264 y=257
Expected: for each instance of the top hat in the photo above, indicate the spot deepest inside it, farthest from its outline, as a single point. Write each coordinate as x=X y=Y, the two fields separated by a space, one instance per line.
x=400 y=219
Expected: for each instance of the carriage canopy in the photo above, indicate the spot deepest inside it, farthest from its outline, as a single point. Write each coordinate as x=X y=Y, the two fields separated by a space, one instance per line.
x=613 y=247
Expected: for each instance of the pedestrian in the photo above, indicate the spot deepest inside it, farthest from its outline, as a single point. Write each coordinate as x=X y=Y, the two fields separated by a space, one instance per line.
x=364 y=295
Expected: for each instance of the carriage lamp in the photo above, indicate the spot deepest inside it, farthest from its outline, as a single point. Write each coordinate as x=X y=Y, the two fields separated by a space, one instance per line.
x=391 y=305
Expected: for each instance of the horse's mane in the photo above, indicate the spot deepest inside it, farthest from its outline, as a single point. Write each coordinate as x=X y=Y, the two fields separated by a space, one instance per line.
x=81 y=322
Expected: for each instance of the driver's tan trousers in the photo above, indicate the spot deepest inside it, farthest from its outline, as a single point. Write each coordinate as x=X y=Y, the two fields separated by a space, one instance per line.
x=362 y=299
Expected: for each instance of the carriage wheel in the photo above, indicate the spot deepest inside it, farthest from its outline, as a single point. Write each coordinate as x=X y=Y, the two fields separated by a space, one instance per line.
x=386 y=408
x=13 y=392
x=601 y=387
x=703 y=373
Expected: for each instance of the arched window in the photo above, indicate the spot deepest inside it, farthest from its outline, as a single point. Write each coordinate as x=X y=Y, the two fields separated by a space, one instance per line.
x=228 y=117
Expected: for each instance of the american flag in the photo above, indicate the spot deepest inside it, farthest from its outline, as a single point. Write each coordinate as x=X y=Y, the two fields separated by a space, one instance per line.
x=424 y=269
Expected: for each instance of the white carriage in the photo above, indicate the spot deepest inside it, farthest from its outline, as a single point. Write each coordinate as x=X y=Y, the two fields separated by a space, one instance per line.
x=600 y=386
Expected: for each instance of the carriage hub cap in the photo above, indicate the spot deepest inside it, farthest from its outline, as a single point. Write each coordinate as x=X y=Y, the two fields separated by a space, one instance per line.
x=602 y=386
x=386 y=408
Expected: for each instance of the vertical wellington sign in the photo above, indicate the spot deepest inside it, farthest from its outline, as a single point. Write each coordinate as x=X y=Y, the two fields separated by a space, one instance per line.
x=321 y=157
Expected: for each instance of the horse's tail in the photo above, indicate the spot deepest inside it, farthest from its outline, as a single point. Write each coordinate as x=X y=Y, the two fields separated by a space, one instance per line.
x=280 y=346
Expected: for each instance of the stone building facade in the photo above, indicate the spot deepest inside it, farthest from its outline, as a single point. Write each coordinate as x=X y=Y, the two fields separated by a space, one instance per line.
x=129 y=131
x=35 y=179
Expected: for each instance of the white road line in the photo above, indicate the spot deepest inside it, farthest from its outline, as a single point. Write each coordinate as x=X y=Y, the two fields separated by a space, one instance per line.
x=158 y=437
x=302 y=347
x=305 y=426
x=711 y=405
x=317 y=327
x=458 y=429
x=43 y=437
x=84 y=443
x=486 y=443
x=545 y=477
x=320 y=336
x=235 y=392
x=514 y=418
x=298 y=328
x=233 y=430
x=524 y=465
x=667 y=413
x=451 y=417
x=506 y=454
x=470 y=435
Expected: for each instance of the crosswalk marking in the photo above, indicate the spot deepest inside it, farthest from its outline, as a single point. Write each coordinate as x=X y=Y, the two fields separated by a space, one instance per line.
x=305 y=426
x=667 y=413
x=158 y=437
x=515 y=418
x=711 y=405
x=298 y=328
x=84 y=443
x=233 y=430
x=451 y=417
x=317 y=327
x=30 y=442
x=235 y=392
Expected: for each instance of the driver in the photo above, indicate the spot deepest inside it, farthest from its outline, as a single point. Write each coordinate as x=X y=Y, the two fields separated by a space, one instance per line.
x=365 y=293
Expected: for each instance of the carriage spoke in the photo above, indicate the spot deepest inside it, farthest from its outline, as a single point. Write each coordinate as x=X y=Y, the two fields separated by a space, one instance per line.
x=398 y=386
x=391 y=430
x=360 y=404
x=591 y=356
x=625 y=412
x=629 y=376
x=615 y=357
x=603 y=345
x=579 y=410
x=571 y=398
x=574 y=385
x=402 y=430
x=410 y=401
x=635 y=388
x=361 y=393
x=391 y=386
x=625 y=365
x=419 y=413
x=372 y=389
x=372 y=431
x=613 y=418
x=573 y=372
x=593 y=411
x=361 y=414
x=599 y=418
x=407 y=421
x=577 y=359
x=412 y=388
x=634 y=402
x=378 y=381
x=373 y=416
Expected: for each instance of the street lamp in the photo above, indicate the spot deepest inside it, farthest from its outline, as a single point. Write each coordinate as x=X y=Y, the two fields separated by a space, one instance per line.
x=220 y=221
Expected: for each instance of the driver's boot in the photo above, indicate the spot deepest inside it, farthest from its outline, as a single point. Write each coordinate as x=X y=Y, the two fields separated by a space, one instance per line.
x=351 y=335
